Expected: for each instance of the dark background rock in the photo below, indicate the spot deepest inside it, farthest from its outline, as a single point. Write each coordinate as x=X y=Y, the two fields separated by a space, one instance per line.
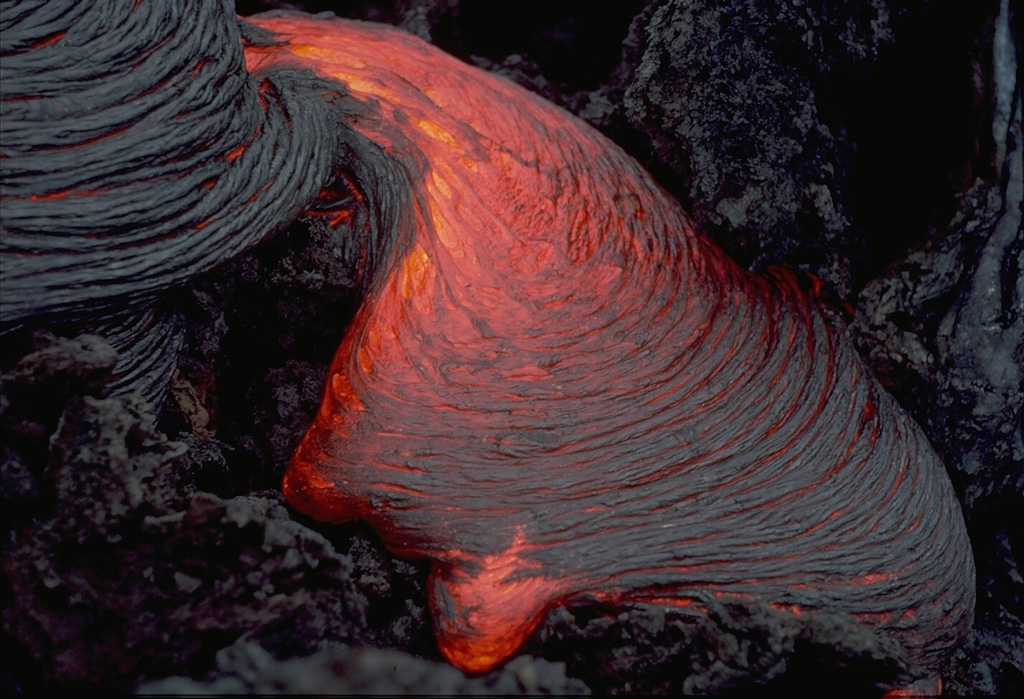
x=852 y=141
x=244 y=668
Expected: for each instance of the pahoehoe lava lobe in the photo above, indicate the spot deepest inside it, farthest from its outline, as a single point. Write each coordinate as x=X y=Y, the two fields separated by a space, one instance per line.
x=556 y=391
x=135 y=154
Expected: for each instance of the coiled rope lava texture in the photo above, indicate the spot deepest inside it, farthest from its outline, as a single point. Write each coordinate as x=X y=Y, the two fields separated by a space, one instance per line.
x=556 y=391
x=136 y=152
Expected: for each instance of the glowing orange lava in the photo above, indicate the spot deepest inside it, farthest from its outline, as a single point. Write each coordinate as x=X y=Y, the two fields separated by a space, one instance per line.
x=556 y=389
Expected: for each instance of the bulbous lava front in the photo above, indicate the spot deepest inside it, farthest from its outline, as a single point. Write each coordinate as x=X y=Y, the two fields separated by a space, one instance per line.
x=555 y=390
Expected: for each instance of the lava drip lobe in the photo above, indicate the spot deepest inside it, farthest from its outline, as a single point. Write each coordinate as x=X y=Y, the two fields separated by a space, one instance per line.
x=556 y=390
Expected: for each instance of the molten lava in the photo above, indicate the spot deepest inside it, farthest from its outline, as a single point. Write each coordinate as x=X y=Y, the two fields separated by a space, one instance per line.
x=556 y=391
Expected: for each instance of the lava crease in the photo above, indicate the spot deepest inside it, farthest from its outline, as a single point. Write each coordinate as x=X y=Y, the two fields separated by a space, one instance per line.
x=556 y=391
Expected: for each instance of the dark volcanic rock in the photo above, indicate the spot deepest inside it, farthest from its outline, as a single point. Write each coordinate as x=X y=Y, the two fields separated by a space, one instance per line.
x=121 y=575
x=730 y=98
x=58 y=369
x=245 y=668
x=735 y=647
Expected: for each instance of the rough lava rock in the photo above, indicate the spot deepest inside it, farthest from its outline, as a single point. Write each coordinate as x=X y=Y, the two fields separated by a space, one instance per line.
x=246 y=668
